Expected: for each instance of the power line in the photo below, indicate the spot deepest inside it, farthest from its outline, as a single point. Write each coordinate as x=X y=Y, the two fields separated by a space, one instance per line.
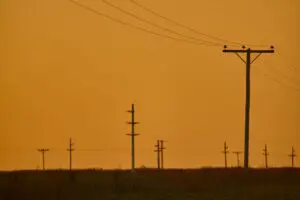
x=282 y=83
x=133 y=26
x=158 y=26
x=292 y=67
x=189 y=28
x=281 y=73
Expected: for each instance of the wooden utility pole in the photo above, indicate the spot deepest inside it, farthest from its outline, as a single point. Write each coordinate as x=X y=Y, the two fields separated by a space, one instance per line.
x=248 y=63
x=162 y=148
x=132 y=134
x=266 y=154
x=157 y=150
x=225 y=153
x=293 y=156
x=70 y=149
x=237 y=153
x=43 y=151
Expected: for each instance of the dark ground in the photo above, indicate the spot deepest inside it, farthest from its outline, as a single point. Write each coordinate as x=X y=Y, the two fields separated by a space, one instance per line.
x=148 y=184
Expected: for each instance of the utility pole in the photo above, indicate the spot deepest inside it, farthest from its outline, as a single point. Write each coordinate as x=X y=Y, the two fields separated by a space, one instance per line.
x=248 y=63
x=225 y=153
x=43 y=151
x=162 y=148
x=157 y=150
x=293 y=156
x=266 y=154
x=70 y=149
x=132 y=134
x=237 y=153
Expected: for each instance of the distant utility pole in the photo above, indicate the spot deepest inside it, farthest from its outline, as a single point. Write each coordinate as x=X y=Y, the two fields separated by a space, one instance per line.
x=266 y=154
x=225 y=153
x=43 y=151
x=248 y=63
x=132 y=134
x=293 y=156
x=237 y=153
x=162 y=148
x=70 y=149
x=157 y=150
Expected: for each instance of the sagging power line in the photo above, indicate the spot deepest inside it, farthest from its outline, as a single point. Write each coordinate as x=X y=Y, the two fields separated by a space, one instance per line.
x=248 y=63
x=204 y=42
x=138 y=4
x=114 y=19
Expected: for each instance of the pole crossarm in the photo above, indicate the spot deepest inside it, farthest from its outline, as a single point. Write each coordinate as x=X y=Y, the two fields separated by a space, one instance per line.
x=247 y=50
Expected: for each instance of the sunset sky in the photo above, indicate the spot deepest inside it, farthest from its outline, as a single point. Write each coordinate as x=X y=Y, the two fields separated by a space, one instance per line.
x=68 y=72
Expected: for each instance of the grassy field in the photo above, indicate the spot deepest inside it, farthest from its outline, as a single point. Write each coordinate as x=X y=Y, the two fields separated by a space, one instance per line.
x=148 y=184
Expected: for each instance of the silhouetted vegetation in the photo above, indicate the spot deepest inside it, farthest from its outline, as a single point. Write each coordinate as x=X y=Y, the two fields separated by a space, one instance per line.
x=210 y=183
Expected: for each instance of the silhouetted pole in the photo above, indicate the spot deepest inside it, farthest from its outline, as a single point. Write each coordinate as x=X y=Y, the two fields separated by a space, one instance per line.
x=132 y=134
x=293 y=156
x=70 y=149
x=266 y=154
x=237 y=153
x=248 y=63
x=225 y=153
x=157 y=150
x=162 y=148
x=43 y=151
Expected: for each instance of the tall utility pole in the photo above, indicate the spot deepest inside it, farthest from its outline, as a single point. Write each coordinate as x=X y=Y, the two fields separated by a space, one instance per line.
x=132 y=134
x=70 y=149
x=248 y=63
x=225 y=153
x=157 y=150
x=162 y=148
x=237 y=153
x=293 y=156
x=266 y=154
x=43 y=151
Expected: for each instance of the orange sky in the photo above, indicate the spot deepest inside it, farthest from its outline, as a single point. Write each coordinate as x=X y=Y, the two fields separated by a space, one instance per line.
x=66 y=72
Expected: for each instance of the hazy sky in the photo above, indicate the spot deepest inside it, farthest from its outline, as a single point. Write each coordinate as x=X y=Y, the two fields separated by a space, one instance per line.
x=67 y=72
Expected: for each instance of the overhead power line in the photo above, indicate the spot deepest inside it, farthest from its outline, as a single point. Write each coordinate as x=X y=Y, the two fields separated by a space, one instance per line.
x=205 y=42
x=282 y=83
x=133 y=26
x=192 y=29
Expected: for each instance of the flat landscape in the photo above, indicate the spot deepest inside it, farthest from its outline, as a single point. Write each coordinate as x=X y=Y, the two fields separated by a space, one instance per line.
x=206 y=184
